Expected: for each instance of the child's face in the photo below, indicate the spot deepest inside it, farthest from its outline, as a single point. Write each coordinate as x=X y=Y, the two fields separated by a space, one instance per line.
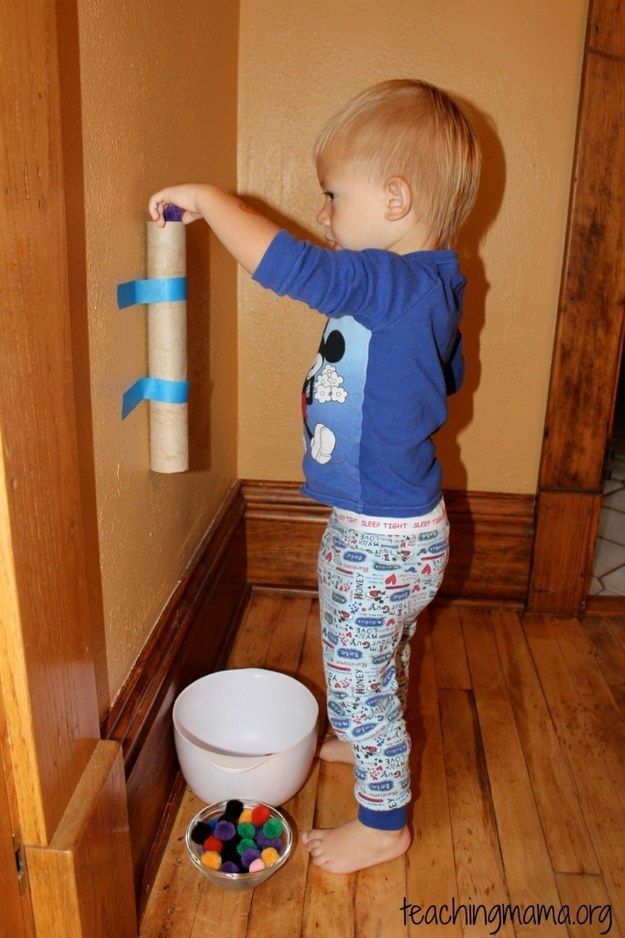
x=353 y=212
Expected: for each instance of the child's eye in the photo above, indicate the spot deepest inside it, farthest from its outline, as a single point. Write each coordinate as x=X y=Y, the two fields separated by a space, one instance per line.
x=331 y=194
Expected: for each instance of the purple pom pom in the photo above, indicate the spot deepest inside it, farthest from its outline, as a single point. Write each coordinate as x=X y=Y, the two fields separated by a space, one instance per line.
x=248 y=855
x=225 y=830
x=274 y=842
x=229 y=867
x=173 y=213
x=260 y=839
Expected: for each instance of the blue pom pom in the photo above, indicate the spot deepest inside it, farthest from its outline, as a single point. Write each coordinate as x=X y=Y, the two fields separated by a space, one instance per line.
x=213 y=823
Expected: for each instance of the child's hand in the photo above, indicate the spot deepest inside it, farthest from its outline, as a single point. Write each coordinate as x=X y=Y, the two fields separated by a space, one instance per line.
x=185 y=196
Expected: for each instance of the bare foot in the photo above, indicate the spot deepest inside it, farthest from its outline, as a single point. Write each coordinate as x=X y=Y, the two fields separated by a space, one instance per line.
x=354 y=846
x=334 y=750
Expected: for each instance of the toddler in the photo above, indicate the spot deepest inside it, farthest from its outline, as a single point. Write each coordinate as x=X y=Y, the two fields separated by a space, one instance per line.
x=399 y=167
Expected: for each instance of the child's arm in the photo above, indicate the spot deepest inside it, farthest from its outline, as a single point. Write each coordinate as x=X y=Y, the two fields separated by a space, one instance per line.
x=371 y=285
x=242 y=230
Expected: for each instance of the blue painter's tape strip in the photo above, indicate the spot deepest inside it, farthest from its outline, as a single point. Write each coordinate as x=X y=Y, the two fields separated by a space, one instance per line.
x=155 y=389
x=156 y=290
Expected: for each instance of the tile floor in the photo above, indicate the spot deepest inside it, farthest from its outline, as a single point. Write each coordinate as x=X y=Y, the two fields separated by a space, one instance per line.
x=609 y=565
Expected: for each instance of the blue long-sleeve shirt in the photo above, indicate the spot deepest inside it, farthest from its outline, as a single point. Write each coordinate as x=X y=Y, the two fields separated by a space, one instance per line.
x=389 y=355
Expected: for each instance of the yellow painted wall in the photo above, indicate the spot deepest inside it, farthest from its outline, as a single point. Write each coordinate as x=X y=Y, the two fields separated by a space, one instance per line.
x=161 y=84
x=517 y=68
x=159 y=105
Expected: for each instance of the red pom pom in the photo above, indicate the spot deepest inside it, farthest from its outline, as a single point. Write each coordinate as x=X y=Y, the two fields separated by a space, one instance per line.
x=213 y=843
x=260 y=814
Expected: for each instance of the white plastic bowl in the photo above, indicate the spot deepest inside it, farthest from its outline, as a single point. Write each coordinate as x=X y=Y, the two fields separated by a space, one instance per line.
x=245 y=733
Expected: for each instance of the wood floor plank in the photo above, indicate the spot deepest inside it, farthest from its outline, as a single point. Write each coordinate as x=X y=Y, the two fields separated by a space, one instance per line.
x=380 y=892
x=596 y=772
x=178 y=886
x=430 y=871
x=278 y=904
x=566 y=834
x=450 y=659
x=580 y=891
x=288 y=633
x=590 y=681
x=252 y=640
x=330 y=899
x=479 y=868
x=609 y=654
x=527 y=866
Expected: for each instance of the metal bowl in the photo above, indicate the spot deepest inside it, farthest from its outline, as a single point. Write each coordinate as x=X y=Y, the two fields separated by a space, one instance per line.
x=237 y=880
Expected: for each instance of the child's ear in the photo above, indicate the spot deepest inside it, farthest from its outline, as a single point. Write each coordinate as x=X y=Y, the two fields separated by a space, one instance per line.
x=398 y=198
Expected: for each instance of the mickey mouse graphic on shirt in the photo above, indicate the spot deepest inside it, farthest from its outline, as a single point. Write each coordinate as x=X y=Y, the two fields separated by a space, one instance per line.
x=323 y=383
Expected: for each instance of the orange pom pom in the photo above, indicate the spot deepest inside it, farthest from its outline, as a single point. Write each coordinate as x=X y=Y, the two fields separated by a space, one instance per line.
x=269 y=856
x=211 y=859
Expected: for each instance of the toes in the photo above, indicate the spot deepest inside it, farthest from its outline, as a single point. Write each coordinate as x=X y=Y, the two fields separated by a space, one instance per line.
x=320 y=861
x=317 y=851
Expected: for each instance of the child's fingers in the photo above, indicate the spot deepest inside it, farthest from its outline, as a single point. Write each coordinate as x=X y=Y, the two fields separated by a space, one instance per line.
x=156 y=206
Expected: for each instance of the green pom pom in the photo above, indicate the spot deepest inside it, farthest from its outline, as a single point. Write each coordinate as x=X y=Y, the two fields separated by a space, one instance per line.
x=246 y=830
x=273 y=827
x=246 y=844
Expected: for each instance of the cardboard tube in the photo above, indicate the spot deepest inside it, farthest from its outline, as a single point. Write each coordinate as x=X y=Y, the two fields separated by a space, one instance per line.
x=167 y=349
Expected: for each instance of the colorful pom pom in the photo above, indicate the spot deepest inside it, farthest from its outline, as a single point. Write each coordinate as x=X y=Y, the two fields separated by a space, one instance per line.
x=233 y=810
x=225 y=830
x=251 y=853
x=246 y=830
x=213 y=823
x=211 y=859
x=200 y=832
x=273 y=827
x=257 y=865
x=213 y=843
x=274 y=842
x=246 y=844
x=246 y=816
x=269 y=856
x=229 y=867
x=260 y=814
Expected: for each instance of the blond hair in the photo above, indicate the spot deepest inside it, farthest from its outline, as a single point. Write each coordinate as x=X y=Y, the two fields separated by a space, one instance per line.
x=409 y=128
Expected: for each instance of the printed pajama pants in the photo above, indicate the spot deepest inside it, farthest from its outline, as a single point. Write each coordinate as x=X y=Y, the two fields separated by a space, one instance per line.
x=373 y=583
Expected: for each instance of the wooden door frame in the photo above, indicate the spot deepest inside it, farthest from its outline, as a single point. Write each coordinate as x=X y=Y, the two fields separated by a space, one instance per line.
x=589 y=331
x=66 y=786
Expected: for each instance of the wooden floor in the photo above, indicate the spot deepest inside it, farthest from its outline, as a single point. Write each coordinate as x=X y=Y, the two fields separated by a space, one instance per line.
x=518 y=787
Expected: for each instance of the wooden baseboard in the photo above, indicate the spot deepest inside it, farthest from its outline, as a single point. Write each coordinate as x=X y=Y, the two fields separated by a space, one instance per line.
x=605 y=606
x=193 y=637
x=490 y=541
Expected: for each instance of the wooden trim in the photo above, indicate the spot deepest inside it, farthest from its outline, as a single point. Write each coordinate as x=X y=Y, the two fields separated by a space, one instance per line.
x=564 y=547
x=605 y=606
x=192 y=638
x=46 y=666
x=589 y=330
x=81 y=883
x=490 y=549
